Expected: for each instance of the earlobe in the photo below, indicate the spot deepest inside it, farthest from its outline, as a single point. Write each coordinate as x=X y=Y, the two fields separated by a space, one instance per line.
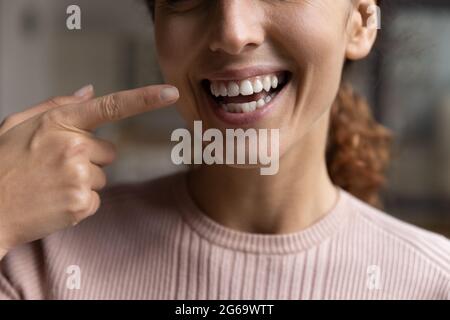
x=362 y=30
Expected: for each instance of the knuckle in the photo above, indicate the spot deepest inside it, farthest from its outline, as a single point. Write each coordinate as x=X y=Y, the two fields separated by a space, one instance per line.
x=103 y=180
x=49 y=118
x=40 y=133
x=110 y=107
x=35 y=142
x=79 y=202
x=73 y=146
x=95 y=197
x=79 y=174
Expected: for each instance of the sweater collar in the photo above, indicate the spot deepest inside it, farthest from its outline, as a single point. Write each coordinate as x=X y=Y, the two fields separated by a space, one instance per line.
x=218 y=234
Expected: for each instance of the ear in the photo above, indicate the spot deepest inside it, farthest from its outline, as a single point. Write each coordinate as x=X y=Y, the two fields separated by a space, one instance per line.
x=362 y=28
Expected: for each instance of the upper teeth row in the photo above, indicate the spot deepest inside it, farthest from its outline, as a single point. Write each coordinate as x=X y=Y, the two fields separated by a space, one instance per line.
x=245 y=87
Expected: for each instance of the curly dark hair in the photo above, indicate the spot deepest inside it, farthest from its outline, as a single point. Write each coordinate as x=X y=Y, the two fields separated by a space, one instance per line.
x=358 y=147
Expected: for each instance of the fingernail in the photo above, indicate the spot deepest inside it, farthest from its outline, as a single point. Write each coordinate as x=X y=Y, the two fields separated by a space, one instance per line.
x=169 y=94
x=84 y=91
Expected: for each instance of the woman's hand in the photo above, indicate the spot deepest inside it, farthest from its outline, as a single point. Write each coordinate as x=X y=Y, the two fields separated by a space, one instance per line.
x=51 y=163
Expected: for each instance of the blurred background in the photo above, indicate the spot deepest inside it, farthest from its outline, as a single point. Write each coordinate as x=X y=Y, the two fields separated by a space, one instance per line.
x=406 y=80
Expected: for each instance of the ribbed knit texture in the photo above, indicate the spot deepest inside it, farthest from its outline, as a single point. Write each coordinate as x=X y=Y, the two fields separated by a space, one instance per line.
x=150 y=241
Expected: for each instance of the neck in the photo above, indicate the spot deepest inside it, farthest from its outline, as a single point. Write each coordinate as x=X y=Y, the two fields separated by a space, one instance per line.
x=295 y=198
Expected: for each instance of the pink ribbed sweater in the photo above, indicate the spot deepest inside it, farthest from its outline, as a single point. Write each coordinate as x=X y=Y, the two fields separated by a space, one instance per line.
x=150 y=241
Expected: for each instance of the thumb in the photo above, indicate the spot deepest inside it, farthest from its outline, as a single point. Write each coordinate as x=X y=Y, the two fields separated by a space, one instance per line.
x=85 y=92
x=82 y=95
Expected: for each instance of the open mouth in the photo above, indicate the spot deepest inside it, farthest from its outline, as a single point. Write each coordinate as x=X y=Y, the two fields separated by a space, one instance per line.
x=247 y=95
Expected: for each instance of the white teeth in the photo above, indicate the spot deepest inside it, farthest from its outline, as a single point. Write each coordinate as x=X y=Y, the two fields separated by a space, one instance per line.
x=223 y=90
x=245 y=87
x=246 y=107
x=261 y=103
x=257 y=86
x=274 y=82
x=234 y=107
x=233 y=89
x=213 y=89
x=267 y=83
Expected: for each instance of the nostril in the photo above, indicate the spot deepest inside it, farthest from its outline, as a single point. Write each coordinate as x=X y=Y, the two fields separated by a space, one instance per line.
x=236 y=37
x=232 y=47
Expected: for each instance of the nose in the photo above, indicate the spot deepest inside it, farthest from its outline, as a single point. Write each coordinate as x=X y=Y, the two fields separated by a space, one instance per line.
x=237 y=27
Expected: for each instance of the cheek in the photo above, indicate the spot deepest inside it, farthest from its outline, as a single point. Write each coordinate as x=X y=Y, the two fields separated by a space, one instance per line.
x=170 y=44
x=317 y=43
x=175 y=46
x=314 y=38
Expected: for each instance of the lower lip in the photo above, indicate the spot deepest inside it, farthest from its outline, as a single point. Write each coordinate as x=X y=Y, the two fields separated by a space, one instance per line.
x=246 y=118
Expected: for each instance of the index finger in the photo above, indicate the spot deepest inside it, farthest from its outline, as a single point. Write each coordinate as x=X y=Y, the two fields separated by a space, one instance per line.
x=118 y=106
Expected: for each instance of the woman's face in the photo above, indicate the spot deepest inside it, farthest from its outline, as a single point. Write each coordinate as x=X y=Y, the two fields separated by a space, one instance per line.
x=271 y=63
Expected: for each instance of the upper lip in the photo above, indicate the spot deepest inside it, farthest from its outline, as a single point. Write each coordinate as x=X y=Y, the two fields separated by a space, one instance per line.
x=241 y=74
